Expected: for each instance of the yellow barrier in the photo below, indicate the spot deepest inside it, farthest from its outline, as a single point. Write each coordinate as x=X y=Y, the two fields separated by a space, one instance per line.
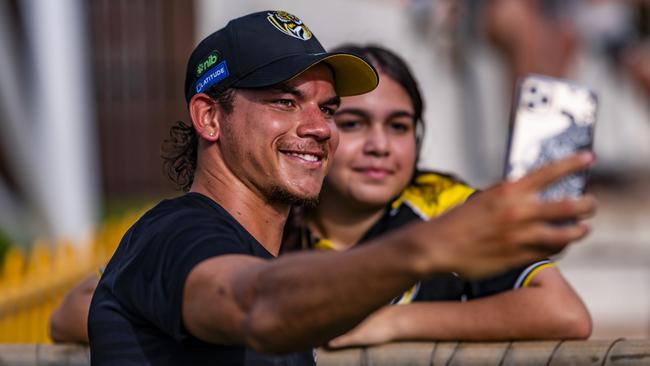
x=32 y=284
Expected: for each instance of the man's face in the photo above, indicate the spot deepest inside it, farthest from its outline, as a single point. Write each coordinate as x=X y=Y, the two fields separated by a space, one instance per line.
x=279 y=141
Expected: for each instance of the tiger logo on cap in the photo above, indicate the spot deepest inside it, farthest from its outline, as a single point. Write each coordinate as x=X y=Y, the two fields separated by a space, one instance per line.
x=289 y=24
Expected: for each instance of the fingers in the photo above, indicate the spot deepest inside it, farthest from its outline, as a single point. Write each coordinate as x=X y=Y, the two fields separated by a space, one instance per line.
x=532 y=209
x=545 y=236
x=557 y=169
x=549 y=238
x=341 y=342
x=544 y=240
x=579 y=208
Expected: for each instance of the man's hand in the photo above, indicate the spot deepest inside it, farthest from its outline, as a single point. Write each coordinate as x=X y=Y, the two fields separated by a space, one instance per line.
x=508 y=224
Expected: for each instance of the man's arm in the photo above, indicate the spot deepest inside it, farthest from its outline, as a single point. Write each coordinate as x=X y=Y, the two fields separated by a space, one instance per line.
x=69 y=321
x=547 y=308
x=305 y=299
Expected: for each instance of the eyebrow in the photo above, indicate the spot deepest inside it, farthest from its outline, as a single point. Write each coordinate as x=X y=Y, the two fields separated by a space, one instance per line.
x=401 y=114
x=285 y=88
x=357 y=111
x=334 y=101
x=363 y=113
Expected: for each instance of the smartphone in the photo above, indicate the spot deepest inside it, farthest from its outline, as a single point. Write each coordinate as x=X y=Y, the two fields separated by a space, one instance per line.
x=551 y=119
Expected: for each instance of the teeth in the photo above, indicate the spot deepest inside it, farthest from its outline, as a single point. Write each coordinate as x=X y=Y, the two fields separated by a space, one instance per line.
x=308 y=157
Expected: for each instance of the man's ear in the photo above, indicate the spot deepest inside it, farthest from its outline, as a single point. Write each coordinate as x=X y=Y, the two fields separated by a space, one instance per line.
x=204 y=112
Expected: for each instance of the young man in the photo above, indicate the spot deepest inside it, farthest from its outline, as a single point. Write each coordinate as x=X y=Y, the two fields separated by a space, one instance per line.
x=195 y=280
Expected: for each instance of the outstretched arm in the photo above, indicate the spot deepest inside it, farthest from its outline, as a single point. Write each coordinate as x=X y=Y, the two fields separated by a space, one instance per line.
x=302 y=300
x=547 y=308
x=69 y=321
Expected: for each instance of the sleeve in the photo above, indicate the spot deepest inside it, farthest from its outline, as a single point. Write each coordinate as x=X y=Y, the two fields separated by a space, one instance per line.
x=151 y=282
x=432 y=194
x=441 y=287
x=531 y=271
x=510 y=280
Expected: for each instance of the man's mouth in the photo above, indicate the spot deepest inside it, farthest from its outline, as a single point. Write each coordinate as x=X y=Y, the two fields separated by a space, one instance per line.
x=310 y=156
x=303 y=156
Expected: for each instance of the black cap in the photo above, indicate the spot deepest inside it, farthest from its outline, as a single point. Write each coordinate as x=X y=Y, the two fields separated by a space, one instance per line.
x=266 y=48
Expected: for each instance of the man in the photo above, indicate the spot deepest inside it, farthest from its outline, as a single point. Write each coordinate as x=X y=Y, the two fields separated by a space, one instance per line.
x=195 y=281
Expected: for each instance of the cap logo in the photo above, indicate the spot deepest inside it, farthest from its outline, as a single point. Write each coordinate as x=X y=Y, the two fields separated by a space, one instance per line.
x=289 y=24
x=212 y=77
x=207 y=63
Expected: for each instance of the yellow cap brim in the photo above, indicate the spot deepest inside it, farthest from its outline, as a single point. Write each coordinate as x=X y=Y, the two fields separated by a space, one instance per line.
x=352 y=74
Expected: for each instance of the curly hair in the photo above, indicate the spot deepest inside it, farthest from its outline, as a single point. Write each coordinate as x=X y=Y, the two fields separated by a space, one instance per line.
x=179 y=150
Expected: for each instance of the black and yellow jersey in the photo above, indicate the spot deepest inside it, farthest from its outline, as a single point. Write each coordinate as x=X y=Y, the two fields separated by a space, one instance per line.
x=429 y=195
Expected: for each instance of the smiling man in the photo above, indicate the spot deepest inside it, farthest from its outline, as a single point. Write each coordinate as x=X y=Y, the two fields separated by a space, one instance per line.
x=195 y=281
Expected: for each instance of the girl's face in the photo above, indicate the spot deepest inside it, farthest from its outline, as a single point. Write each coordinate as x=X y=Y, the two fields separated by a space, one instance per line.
x=377 y=150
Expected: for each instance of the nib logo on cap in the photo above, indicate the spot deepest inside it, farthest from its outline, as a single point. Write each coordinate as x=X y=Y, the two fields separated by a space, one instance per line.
x=207 y=62
x=289 y=24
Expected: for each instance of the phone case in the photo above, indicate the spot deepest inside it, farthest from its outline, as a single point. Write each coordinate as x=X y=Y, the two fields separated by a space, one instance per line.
x=552 y=118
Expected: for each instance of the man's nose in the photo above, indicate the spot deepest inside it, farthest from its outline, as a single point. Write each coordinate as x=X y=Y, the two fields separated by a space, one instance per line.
x=315 y=124
x=376 y=142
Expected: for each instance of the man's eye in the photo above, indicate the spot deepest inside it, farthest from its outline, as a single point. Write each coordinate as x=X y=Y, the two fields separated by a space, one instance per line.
x=329 y=112
x=284 y=102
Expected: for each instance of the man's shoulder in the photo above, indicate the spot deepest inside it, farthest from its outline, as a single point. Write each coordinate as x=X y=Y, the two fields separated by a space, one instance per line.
x=431 y=193
x=187 y=204
x=184 y=221
x=190 y=209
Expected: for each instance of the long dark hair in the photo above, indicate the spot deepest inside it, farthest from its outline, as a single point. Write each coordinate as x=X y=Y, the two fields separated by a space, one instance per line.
x=179 y=150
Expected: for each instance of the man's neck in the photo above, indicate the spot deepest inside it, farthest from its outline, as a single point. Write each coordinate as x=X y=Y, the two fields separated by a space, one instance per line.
x=263 y=220
x=343 y=225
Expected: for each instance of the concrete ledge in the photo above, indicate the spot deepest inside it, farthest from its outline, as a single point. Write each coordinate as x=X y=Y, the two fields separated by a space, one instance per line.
x=615 y=352
x=43 y=355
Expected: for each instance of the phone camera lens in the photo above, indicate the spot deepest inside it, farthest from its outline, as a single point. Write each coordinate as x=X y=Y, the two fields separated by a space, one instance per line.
x=544 y=100
x=533 y=90
x=531 y=105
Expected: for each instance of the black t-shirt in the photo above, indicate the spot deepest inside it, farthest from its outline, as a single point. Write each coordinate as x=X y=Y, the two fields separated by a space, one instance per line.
x=135 y=316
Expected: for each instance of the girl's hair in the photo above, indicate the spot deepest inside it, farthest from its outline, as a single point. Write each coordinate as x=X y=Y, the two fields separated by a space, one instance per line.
x=393 y=66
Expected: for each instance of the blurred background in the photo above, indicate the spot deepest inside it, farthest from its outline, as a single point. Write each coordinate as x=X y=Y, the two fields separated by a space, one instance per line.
x=89 y=89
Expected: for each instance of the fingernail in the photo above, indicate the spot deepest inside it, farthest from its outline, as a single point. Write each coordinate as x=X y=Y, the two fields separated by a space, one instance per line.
x=587 y=157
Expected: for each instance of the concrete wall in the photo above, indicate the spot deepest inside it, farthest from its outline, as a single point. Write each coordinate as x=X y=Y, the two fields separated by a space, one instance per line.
x=606 y=352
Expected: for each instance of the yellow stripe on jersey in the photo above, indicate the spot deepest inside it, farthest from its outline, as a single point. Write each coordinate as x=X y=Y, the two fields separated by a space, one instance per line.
x=433 y=194
x=408 y=296
x=324 y=244
x=535 y=271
